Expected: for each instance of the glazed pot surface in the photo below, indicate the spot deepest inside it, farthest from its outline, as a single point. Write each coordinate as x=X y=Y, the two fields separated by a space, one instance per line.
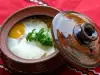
x=77 y=38
x=18 y=64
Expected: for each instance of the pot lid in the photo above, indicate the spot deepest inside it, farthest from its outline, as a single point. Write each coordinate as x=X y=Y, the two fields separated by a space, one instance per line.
x=77 y=38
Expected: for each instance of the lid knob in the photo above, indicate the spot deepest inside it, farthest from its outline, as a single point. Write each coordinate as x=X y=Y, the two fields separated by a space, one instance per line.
x=85 y=34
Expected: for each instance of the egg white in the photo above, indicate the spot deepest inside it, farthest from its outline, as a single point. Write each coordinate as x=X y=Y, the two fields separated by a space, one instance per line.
x=33 y=24
x=27 y=50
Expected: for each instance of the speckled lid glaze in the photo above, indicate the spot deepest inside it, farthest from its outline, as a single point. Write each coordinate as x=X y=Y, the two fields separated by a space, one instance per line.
x=77 y=38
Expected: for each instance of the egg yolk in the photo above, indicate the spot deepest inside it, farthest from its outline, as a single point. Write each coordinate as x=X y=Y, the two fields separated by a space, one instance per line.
x=16 y=31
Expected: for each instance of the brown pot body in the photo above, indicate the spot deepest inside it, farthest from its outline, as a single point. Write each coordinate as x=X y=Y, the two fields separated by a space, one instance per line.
x=16 y=64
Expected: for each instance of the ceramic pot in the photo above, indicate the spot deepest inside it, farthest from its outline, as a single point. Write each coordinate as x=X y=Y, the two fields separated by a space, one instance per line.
x=16 y=64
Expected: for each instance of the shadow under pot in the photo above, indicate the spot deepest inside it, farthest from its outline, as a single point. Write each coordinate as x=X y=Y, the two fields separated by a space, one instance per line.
x=22 y=54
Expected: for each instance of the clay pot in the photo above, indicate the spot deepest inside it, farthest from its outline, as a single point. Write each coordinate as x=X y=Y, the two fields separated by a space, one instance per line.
x=16 y=64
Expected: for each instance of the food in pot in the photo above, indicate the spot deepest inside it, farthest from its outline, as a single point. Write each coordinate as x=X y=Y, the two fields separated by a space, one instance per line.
x=31 y=38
